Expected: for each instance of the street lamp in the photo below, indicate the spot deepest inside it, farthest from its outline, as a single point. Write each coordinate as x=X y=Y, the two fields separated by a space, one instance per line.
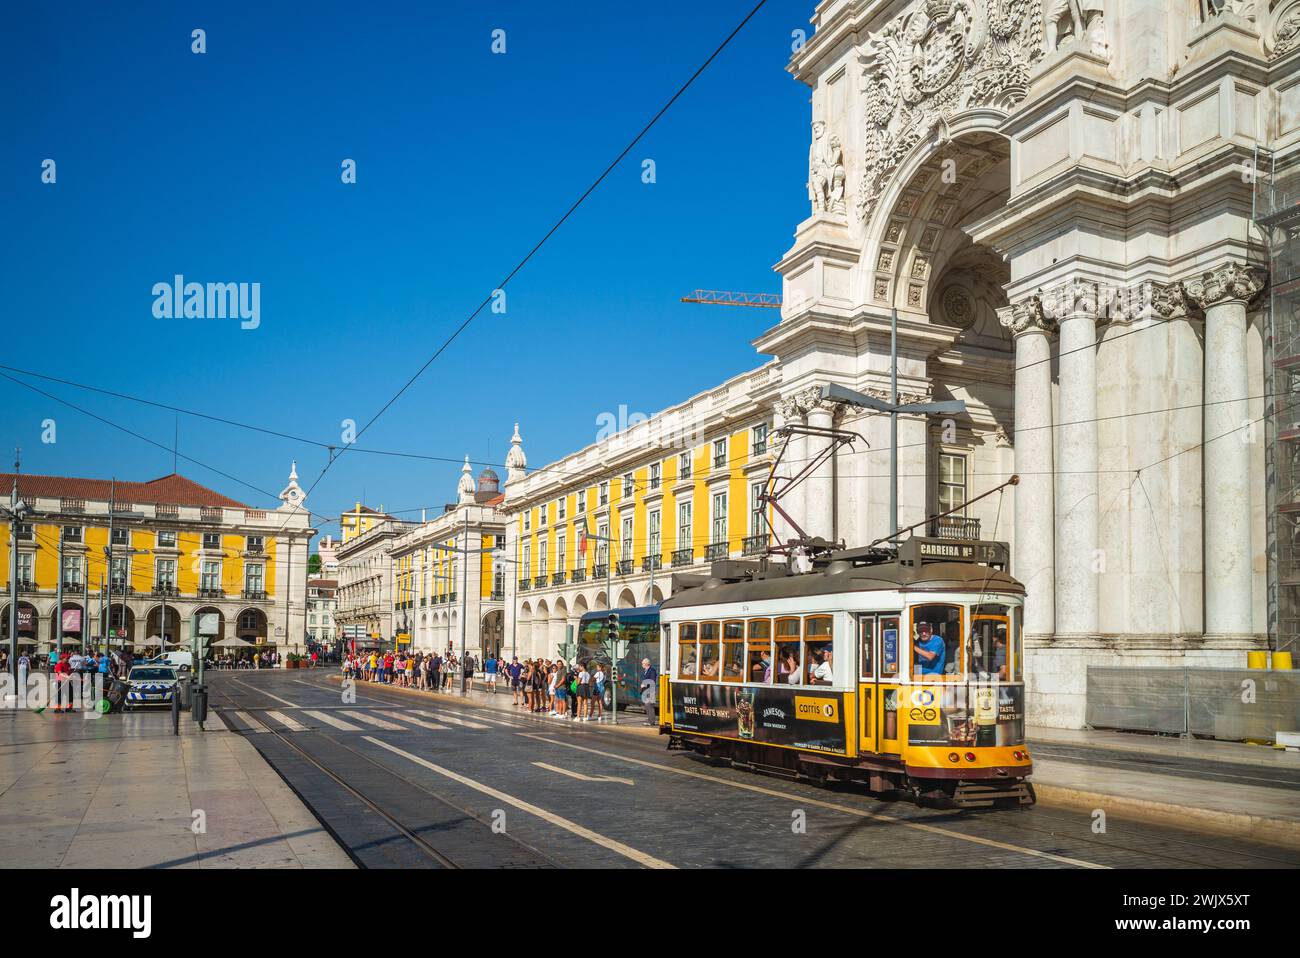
x=15 y=513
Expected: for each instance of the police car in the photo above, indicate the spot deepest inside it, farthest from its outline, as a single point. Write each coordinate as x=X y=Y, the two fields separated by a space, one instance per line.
x=150 y=685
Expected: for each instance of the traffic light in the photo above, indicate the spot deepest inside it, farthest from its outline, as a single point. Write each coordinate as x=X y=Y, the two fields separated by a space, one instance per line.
x=203 y=645
x=611 y=628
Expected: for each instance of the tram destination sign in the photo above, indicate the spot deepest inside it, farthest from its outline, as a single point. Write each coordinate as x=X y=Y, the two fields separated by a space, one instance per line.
x=918 y=549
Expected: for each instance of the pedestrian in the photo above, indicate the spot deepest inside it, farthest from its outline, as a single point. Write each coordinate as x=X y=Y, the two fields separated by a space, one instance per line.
x=490 y=673
x=469 y=670
x=649 y=691
x=24 y=666
x=516 y=686
x=598 y=692
x=584 y=693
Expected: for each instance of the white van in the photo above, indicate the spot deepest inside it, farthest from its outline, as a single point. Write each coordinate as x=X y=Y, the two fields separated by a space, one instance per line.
x=177 y=659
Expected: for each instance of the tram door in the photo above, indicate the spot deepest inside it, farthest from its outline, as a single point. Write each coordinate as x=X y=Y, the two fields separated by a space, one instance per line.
x=879 y=657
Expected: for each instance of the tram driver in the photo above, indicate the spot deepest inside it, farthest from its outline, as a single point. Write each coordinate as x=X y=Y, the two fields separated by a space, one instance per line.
x=930 y=650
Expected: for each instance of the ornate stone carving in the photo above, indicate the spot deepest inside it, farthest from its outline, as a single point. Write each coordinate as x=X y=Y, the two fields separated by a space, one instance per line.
x=1001 y=439
x=1283 y=34
x=825 y=171
x=1071 y=298
x=941 y=57
x=1025 y=315
x=1075 y=23
x=958 y=307
x=1231 y=281
x=1242 y=8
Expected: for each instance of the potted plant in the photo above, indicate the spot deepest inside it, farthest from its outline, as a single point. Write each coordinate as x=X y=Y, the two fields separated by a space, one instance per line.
x=292 y=661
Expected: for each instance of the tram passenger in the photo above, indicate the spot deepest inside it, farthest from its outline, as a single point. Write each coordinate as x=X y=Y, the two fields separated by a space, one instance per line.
x=930 y=650
x=819 y=666
x=1000 y=653
x=788 y=667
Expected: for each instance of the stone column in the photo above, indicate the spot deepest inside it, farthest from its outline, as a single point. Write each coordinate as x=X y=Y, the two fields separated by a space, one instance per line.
x=1074 y=307
x=1223 y=294
x=1032 y=558
x=795 y=453
x=820 y=497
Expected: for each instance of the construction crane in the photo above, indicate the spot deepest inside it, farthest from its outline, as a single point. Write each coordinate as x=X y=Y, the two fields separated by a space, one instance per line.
x=722 y=297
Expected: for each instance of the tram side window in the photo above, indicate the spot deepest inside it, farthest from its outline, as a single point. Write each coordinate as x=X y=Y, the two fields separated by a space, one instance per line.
x=733 y=651
x=760 y=651
x=936 y=639
x=788 y=650
x=1017 y=643
x=866 y=645
x=817 y=658
x=686 y=661
x=709 y=651
x=890 y=646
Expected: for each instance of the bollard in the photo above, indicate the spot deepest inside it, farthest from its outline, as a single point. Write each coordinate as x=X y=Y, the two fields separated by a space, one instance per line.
x=199 y=703
x=1257 y=660
x=176 y=710
x=1282 y=660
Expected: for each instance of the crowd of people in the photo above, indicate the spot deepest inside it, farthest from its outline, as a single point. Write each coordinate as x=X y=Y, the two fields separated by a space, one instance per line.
x=553 y=687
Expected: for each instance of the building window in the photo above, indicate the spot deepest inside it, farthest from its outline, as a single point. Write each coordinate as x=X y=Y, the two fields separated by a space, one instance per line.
x=602 y=544
x=528 y=519
x=604 y=493
x=952 y=482
x=629 y=485
x=719 y=453
x=166 y=539
x=72 y=533
x=759 y=439
x=210 y=577
x=719 y=517
x=25 y=567
x=562 y=508
x=166 y=573
x=253 y=581
x=72 y=572
x=684 y=465
x=627 y=538
x=121 y=537
x=655 y=545
x=253 y=544
x=685 y=534
x=656 y=474
x=541 y=516
x=756 y=510
x=528 y=559
x=119 y=575
x=541 y=555
x=212 y=540
x=561 y=547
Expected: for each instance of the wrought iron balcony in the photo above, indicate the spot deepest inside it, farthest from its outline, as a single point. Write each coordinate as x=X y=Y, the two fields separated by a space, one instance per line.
x=599 y=572
x=755 y=545
x=498 y=596
x=715 y=550
x=164 y=588
x=255 y=595
x=211 y=593
x=27 y=585
x=624 y=567
x=451 y=597
x=557 y=578
x=120 y=587
x=525 y=584
x=683 y=557
x=652 y=563
x=955 y=527
x=539 y=581
x=579 y=575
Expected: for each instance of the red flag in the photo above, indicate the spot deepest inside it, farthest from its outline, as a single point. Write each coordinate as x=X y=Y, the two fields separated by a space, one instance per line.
x=582 y=543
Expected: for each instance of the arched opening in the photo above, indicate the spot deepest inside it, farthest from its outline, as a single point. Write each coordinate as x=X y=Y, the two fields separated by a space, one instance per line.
x=168 y=632
x=250 y=625
x=653 y=596
x=73 y=624
x=492 y=633
x=121 y=628
x=524 y=628
x=626 y=599
x=27 y=623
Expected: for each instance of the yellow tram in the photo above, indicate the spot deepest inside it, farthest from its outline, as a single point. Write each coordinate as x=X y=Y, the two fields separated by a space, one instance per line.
x=901 y=669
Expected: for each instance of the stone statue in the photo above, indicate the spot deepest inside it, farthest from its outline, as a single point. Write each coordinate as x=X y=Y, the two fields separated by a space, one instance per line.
x=825 y=171
x=1083 y=21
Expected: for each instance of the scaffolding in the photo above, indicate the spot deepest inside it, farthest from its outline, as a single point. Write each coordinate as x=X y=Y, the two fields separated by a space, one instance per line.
x=1276 y=213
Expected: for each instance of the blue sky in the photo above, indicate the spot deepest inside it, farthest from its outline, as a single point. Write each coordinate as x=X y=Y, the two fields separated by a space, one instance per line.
x=225 y=167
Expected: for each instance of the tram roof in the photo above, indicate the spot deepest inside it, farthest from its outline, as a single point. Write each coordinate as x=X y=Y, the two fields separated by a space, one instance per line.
x=844 y=577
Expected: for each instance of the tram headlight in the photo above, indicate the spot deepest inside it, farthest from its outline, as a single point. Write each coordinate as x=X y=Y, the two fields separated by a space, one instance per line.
x=970 y=756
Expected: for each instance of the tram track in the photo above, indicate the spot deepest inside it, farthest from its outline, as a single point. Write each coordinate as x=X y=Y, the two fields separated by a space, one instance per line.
x=1058 y=837
x=530 y=858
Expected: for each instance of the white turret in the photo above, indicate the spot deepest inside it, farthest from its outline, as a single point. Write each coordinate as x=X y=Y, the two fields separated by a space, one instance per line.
x=465 y=488
x=292 y=495
x=516 y=461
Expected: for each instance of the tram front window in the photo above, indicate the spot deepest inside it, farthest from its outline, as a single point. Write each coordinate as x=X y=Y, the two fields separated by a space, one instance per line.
x=686 y=662
x=990 y=654
x=936 y=642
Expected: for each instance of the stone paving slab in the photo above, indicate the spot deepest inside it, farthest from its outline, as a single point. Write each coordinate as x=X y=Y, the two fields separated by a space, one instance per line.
x=1233 y=752
x=121 y=791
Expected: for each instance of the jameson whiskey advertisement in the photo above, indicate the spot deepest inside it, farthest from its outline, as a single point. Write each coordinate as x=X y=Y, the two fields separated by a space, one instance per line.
x=776 y=715
x=964 y=715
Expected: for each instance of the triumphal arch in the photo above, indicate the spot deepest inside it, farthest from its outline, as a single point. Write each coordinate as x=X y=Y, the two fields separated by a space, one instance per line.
x=1056 y=198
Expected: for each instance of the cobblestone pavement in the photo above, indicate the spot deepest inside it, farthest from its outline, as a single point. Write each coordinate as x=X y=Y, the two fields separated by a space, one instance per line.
x=401 y=783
